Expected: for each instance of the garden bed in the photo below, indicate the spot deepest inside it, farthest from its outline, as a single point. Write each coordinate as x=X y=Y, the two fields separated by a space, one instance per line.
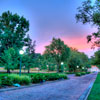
x=10 y=80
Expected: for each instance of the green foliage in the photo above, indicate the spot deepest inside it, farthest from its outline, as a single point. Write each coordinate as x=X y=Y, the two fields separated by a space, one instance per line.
x=41 y=77
x=78 y=74
x=52 y=76
x=88 y=72
x=36 y=78
x=14 y=78
x=29 y=55
x=58 y=51
x=69 y=72
x=13 y=29
x=96 y=59
x=95 y=92
x=83 y=73
x=90 y=13
x=0 y=82
x=10 y=59
x=6 y=81
x=62 y=76
x=77 y=59
x=13 y=37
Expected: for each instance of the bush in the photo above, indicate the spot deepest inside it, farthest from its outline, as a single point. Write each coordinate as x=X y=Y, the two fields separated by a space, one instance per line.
x=83 y=73
x=0 y=82
x=36 y=78
x=41 y=77
x=6 y=81
x=62 y=76
x=69 y=72
x=14 y=78
x=88 y=72
x=52 y=76
x=78 y=74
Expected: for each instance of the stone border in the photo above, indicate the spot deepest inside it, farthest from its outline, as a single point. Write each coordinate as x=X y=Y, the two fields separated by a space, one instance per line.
x=28 y=86
x=86 y=93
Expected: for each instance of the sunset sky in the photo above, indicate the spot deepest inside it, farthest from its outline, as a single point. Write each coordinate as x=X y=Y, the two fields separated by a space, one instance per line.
x=52 y=18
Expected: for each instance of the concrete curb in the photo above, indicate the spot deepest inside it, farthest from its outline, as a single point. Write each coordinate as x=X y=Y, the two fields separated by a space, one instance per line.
x=86 y=93
x=28 y=86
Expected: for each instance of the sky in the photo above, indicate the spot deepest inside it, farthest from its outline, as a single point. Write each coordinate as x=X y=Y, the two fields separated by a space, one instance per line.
x=52 y=18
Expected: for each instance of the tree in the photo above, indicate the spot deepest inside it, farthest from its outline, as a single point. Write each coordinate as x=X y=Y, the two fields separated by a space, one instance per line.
x=28 y=58
x=13 y=29
x=90 y=13
x=59 y=51
x=74 y=60
x=96 y=58
x=77 y=59
x=10 y=59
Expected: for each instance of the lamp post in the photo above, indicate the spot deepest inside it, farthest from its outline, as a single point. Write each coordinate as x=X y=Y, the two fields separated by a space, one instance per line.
x=21 y=52
x=62 y=66
x=48 y=68
x=77 y=66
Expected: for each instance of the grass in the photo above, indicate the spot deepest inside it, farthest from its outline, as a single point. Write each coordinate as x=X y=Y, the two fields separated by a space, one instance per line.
x=95 y=92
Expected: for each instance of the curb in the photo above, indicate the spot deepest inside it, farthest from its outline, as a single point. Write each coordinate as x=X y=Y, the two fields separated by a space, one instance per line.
x=86 y=93
x=33 y=85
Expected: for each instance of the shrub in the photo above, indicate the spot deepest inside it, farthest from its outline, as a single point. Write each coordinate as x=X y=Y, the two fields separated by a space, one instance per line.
x=36 y=78
x=41 y=77
x=52 y=76
x=83 y=73
x=62 y=76
x=78 y=74
x=14 y=78
x=69 y=72
x=88 y=72
x=6 y=81
x=0 y=82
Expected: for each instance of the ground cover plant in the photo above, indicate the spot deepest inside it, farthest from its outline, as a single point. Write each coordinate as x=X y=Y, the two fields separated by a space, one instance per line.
x=95 y=92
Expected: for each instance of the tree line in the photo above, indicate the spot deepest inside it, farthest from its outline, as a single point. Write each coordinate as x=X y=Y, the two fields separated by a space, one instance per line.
x=14 y=37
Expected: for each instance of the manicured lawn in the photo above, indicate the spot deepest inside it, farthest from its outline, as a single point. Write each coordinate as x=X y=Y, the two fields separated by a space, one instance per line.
x=95 y=92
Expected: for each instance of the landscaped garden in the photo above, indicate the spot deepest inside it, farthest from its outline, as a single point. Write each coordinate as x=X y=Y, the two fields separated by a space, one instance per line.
x=27 y=79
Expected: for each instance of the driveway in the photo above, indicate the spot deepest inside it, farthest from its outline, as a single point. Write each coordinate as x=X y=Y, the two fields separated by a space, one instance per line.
x=70 y=89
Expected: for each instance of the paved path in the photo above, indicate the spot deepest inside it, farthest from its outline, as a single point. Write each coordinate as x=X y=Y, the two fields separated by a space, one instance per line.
x=70 y=89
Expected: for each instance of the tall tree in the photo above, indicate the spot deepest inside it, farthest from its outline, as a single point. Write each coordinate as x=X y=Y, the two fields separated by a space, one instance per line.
x=13 y=29
x=77 y=59
x=59 y=51
x=90 y=13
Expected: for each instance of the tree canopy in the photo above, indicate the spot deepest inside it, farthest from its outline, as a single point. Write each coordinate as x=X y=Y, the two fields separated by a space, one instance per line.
x=58 y=50
x=90 y=13
x=13 y=29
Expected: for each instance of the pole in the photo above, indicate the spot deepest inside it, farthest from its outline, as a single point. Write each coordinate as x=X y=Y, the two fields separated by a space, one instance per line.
x=20 y=66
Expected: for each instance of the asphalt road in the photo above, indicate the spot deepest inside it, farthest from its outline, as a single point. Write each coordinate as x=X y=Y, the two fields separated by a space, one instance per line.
x=70 y=89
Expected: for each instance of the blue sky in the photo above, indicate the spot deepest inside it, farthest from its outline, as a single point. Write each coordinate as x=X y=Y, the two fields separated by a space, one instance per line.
x=52 y=18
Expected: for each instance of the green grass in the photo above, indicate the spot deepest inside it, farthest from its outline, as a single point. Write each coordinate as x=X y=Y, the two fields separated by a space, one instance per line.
x=95 y=92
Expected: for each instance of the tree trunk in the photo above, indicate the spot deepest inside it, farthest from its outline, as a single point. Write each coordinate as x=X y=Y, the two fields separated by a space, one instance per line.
x=8 y=70
x=28 y=70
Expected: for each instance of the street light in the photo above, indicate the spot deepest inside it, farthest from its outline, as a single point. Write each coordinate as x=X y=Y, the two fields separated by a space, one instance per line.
x=62 y=66
x=48 y=68
x=82 y=67
x=21 y=52
x=77 y=66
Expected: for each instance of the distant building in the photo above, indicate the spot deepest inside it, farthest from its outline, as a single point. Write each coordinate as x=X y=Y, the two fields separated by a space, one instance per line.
x=94 y=69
